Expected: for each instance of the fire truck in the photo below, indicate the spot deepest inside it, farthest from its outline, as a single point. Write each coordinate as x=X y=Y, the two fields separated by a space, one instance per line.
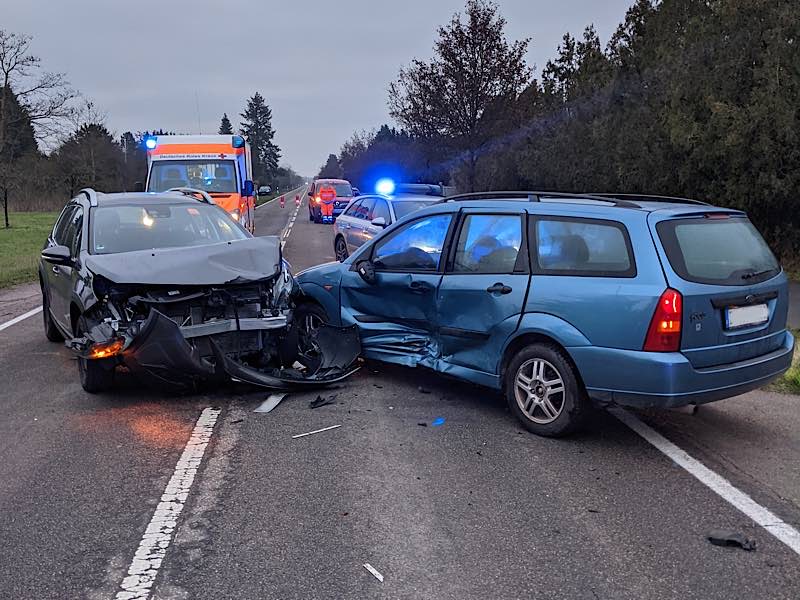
x=218 y=164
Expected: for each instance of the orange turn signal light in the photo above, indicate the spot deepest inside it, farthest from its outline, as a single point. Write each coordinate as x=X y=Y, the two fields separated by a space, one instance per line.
x=106 y=349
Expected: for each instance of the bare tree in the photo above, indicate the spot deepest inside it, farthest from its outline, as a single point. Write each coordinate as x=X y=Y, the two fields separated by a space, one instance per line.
x=43 y=100
x=463 y=91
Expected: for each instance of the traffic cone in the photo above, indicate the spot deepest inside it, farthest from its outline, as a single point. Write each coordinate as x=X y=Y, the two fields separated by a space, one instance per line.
x=297 y=200
x=283 y=202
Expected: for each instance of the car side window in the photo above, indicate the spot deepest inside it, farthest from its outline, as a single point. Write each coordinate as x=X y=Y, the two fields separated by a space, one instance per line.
x=488 y=244
x=365 y=208
x=381 y=209
x=415 y=247
x=73 y=231
x=352 y=208
x=587 y=247
x=61 y=226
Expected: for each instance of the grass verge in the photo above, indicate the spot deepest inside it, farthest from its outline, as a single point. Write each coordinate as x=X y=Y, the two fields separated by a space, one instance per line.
x=21 y=244
x=789 y=383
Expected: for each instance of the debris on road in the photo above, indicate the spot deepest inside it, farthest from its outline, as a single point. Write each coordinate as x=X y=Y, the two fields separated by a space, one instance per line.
x=724 y=537
x=423 y=390
x=374 y=571
x=438 y=422
x=299 y=435
x=322 y=401
x=422 y=424
x=271 y=402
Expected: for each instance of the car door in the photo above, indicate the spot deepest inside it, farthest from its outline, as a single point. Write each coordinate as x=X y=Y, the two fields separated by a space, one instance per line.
x=360 y=222
x=345 y=222
x=380 y=208
x=484 y=287
x=62 y=282
x=396 y=313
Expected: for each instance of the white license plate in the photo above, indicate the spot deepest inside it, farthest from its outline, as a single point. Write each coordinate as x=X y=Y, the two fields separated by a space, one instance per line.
x=742 y=316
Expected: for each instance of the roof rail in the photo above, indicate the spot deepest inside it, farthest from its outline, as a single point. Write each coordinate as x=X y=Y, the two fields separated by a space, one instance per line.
x=650 y=198
x=537 y=197
x=91 y=195
x=421 y=189
x=193 y=193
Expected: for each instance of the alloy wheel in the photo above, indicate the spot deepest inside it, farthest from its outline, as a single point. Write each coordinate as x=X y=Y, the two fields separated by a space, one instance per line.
x=539 y=391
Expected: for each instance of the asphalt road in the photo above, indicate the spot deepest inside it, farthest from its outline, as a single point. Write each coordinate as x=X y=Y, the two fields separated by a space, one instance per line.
x=474 y=508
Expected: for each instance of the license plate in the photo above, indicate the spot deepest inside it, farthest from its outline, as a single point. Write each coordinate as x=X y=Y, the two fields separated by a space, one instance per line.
x=743 y=316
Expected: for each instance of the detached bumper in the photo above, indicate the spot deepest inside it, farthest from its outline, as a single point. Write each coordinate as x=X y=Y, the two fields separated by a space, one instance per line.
x=647 y=379
x=160 y=354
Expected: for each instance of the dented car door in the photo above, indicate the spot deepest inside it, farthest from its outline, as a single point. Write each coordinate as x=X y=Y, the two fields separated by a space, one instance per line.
x=396 y=312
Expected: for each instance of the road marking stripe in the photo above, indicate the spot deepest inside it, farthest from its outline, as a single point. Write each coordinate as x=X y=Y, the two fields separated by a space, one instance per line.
x=718 y=484
x=158 y=535
x=16 y=320
x=299 y=435
x=374 y=571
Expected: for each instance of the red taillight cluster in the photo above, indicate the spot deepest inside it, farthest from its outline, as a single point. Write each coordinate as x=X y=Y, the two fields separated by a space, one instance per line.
x=664 y=334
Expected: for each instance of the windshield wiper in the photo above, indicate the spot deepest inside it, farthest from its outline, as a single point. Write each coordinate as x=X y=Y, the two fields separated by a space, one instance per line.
x=755 y=274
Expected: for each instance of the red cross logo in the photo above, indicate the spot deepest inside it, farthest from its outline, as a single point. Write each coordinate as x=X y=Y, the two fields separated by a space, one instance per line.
x=221 y=155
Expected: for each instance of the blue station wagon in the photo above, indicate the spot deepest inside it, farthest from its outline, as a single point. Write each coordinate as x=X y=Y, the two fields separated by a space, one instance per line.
x=565 y=300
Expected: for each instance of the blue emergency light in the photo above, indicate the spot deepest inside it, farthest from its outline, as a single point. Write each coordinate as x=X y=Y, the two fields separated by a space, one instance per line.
x=237 y=142
x=385 y=187
x=150 y=143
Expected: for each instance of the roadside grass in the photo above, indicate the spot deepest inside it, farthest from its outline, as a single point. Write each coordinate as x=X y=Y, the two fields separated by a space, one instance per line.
x=789 y=383
x=21 y=244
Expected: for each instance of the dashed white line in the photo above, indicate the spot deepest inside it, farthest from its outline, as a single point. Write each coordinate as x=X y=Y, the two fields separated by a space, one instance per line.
x=22 y=317
x=158 y=535
x=716 y=483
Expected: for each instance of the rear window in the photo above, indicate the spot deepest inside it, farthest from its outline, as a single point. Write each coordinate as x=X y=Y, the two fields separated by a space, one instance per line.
x=583 y=247
x=343 y=190
x=718 y=251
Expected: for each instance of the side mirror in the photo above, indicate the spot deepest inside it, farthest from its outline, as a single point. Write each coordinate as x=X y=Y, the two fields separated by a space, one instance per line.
x=247 y=188
x=57 y=255
x=379 y=222
x=367 y=271
x=310 y=194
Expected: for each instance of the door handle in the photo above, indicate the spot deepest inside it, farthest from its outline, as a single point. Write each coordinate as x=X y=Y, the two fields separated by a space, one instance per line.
x=55 y=270
x=420 y=287
x=499 y=288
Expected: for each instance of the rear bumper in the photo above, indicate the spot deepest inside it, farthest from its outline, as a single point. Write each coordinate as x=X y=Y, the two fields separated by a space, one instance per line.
x=646 y=379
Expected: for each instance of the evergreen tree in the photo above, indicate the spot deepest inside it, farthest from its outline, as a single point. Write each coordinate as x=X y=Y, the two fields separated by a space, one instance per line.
x=331 y=169
x=257 y=128
x=225 y=126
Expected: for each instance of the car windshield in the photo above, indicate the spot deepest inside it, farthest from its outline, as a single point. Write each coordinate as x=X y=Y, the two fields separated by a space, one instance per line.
x=700 y=250
x=210 y=176
x=342 y=189
x=130 y=227
x=406 y=207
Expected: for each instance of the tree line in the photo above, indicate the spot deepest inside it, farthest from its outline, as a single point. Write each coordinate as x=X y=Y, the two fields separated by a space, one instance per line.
x=53 y=142
x=692 y=98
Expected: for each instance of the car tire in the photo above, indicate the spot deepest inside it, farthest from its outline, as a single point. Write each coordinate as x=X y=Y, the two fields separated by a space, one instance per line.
x=318 y=217
x=308 y=316
x=96 y=376
x=340 y=249
x=310 y=215
x=543 y=391
x=51 y=332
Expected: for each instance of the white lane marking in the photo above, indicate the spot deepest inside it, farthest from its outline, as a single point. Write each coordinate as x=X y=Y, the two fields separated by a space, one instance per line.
x=299 y=435
x=718 y=484
x=158 y=535
x=374 y=571
x=287 y=232
x=22 y=317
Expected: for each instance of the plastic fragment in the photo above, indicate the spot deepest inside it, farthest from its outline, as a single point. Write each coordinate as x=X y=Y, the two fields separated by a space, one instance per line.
x=724 y=537
x=271 y=402
x=322 y=401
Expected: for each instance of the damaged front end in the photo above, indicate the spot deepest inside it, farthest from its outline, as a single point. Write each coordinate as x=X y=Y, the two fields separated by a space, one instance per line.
x=180 y=336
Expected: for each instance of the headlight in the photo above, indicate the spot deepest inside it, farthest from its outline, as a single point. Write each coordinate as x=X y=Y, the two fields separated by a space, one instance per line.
x=235 y=215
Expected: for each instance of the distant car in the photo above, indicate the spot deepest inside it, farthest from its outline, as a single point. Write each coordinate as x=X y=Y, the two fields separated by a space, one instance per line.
x=170 y=286
x=342 y=194
x=264 y=190
x=366 y=216
x=564 y=300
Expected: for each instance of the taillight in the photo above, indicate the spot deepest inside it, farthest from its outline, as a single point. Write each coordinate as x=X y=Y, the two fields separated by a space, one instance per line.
x=664 y=334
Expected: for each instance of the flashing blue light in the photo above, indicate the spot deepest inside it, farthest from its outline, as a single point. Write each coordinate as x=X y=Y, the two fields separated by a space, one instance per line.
x=385 y=187
x=150 y=143
x=237 y=142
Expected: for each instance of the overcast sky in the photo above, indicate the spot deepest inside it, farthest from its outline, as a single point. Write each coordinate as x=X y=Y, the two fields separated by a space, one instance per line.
x=324 y=66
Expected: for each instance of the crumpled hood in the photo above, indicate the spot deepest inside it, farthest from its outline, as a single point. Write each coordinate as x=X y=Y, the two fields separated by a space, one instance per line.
x=240 y=261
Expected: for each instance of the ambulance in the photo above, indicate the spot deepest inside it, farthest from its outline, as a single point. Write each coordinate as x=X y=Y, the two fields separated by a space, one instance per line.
x=218 y=164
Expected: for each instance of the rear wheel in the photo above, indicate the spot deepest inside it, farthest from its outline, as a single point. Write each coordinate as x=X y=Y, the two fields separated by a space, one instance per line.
x=96 y=375
x=340 y=249
x=309 y=318
x=543 y=392
x=51 y=332
x=318 y=216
